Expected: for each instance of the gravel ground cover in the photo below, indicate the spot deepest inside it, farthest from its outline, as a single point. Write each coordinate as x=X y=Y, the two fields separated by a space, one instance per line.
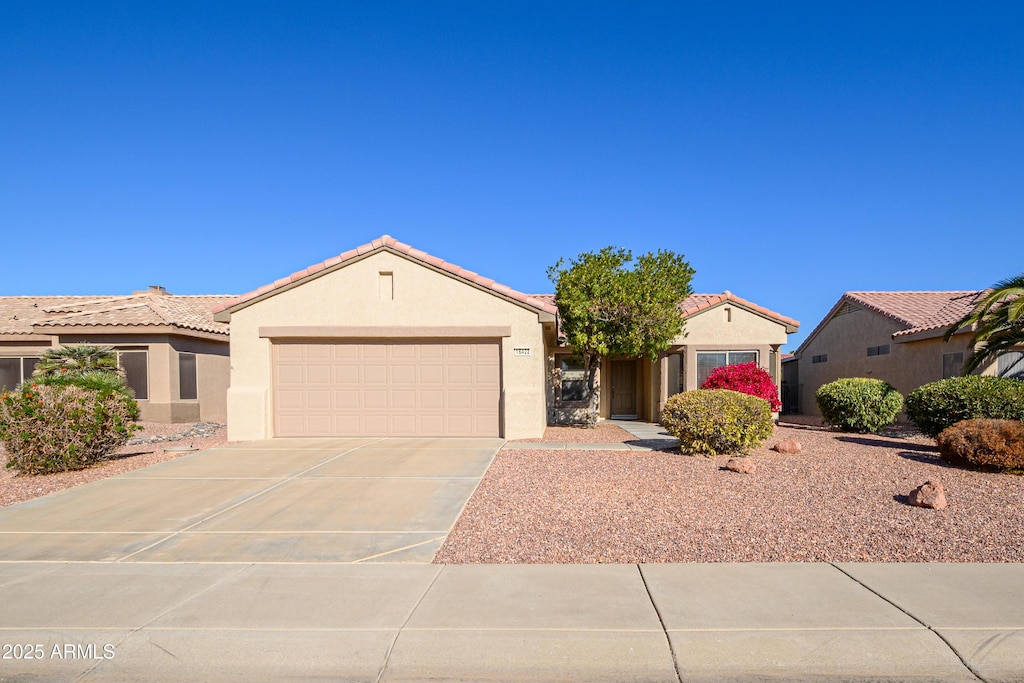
x=602 y=433
x=842 y=499
x=145 y=448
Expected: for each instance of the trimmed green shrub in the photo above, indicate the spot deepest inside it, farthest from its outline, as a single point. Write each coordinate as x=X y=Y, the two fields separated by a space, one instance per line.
x=986 y=444
x=717 y=421
x=935 y=406
x=858 y=404
x=47 y=429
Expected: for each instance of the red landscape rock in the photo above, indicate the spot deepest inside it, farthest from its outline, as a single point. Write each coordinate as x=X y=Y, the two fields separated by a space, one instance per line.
x=741 y=465
x=788 y=446
x=928 y=495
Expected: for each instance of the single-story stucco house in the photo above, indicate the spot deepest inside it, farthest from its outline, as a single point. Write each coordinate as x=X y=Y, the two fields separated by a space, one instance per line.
x=893 y=336
x=388 y=340
x=174 y=354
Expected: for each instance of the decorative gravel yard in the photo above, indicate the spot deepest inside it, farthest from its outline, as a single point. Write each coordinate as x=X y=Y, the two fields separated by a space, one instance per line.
x=842 y=499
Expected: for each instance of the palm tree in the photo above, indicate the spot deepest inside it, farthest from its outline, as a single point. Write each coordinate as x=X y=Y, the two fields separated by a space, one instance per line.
x=77 y=360
x=997 y=321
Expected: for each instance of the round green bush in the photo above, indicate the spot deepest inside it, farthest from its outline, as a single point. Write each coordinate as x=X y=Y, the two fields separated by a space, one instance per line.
x=47 y=429
x=717 y=421
x=858 y=404
x=986 y=444
x=934 y=407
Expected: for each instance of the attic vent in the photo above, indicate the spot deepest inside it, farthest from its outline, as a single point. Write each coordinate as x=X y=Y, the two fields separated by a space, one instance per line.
x=848 y=307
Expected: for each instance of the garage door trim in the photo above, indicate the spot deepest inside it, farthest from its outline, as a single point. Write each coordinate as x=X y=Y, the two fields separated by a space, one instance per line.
x=368 y=333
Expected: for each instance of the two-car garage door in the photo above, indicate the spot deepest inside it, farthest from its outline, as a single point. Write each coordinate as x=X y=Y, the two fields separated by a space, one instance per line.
x=387 y=388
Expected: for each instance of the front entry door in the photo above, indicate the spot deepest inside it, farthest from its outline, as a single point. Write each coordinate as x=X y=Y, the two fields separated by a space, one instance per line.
x=623 y=388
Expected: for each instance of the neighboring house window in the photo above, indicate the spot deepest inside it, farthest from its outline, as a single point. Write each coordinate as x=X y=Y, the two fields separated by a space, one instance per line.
x=708 y=361
x=952 y=365
x=136 y=370
x=14 y=371
x=1011 y=364
x=573 y=379
x=188 y=387
x=823 y=358
x=882 y=350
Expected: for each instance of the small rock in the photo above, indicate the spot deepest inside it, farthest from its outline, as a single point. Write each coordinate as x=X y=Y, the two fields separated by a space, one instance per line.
x=928 y=495
x=788 y=446
x=741 y=465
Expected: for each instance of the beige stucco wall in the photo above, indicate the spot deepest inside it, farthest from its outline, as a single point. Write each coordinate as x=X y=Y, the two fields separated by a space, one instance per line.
x=164 y=403
x=845 y=339
x=725 y=327
x=351 y=296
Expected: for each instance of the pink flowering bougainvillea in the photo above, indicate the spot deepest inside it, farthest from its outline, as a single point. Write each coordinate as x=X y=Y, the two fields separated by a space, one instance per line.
x=745 y=378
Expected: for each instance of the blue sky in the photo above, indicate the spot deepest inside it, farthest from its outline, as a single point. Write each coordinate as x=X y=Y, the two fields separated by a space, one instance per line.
x=791 y=151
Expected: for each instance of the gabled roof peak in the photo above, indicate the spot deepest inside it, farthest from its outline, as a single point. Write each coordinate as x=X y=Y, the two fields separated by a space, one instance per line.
x=390 y=243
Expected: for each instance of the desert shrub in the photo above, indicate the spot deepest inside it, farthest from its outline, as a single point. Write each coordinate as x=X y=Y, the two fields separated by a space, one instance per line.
x=858 y=404
x=746 y=378
x=934 y=407
x=54 y=428
x=983 y=443
x=717 y=421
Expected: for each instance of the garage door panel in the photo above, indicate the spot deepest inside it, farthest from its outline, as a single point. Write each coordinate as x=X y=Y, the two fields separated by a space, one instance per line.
x=403 y=374
x=404 y=399
x=319 y=400
x=460 y=374
x=387 y=389
x=431 y=399
x=375 y=374
x=431 y=374
x=319 y=423
x=375 y=399
x=346 y=374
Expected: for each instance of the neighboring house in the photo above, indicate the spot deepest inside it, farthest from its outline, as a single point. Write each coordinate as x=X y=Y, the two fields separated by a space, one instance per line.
x=893 y=336
x=174 y=354
x=387 y=340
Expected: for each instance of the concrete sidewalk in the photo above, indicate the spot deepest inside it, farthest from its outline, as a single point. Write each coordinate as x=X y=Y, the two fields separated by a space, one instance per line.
x=109 y=621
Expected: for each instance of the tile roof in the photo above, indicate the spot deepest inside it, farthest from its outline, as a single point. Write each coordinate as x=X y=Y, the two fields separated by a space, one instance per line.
x=919 y=311
x=386 y=242
x=913 y=311
x=41 y=314
x=695 y=303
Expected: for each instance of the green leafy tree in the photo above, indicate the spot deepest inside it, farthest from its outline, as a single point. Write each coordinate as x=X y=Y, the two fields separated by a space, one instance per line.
x=77 y=360
x=997 y=321
x=607 y=309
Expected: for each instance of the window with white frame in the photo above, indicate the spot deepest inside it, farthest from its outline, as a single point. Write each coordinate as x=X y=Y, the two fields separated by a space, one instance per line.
x=14 y=371
x=573 y=378
x=708 y=361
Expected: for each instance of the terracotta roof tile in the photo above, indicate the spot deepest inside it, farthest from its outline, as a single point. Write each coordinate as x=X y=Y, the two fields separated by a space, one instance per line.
x=34 y=315
x=919 y=311
x=915 y=311
x=388 y=242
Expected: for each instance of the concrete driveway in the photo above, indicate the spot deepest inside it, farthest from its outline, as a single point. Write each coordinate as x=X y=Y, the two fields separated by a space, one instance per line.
x=282 y=500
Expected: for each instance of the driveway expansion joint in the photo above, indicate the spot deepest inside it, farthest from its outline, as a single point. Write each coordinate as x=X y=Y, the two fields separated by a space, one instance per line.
x=941 y=637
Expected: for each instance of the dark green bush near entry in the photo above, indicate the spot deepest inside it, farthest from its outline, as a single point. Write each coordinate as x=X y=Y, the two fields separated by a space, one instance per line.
x=47 y=429
x=859 y=404
x=987 y=444
x=934 y=407
x=717 y=421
